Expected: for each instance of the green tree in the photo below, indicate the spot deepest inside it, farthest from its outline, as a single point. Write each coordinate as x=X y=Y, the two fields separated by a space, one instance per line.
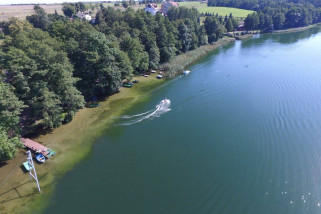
x=8 y=146
x=229 y=25
x=125 y=4
x=278 y=21
x=10 y=109
x=40 y=19
x=213 y=28
x=252 y=21
x=136 y=53
x=69 y=10
x=42 y=75
x=185 y=37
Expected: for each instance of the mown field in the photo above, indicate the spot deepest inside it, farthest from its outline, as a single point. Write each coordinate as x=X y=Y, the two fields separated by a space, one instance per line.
x=135 y=7
x=222 y=11
x=21 y=11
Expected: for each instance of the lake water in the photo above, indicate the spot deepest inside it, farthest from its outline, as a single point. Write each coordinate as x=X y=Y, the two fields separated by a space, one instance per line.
x=242 y=135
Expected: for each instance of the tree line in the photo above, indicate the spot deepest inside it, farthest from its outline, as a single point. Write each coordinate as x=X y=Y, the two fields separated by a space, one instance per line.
x=260 y=4
x=52 y=65
x=276 y=14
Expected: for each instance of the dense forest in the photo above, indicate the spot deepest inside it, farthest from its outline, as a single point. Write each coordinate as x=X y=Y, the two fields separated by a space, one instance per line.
x=51 y=65
x=276 y=14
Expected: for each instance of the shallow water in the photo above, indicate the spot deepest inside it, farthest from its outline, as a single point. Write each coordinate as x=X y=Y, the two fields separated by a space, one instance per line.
x=243 y=135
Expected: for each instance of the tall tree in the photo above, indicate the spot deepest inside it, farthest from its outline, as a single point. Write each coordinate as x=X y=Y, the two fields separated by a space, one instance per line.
x=69 y=9
x=8 y=146
x=10 y=109
x=42 y=75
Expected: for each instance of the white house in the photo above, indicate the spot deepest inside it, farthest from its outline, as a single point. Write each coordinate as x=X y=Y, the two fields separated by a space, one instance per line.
x=82 y=15
x=151 y=8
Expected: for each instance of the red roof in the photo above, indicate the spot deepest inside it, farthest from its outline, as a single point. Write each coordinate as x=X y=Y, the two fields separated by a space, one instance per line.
x=173 y=3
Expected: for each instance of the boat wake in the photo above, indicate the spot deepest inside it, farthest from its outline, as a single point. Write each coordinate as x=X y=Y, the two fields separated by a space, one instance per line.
x=161 y=108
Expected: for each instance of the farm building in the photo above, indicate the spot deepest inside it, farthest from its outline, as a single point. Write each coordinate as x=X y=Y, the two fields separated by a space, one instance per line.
x=167 y=5
x=151 y=8
x=84 y=16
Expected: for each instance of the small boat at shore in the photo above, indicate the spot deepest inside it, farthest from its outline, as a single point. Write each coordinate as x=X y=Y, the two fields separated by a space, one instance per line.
x=127 y=85
x=40 y=158
x=27 y=166
x=186 y=72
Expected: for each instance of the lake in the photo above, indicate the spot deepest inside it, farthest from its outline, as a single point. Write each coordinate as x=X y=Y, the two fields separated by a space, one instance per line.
x=242 y=135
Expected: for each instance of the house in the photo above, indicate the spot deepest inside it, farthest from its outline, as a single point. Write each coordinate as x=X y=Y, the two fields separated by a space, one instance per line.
x=241 y=26
x=167 y=5
x=151 y=8
x=82 y=15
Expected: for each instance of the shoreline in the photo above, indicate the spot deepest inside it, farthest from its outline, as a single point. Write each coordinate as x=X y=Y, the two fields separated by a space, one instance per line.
x=180 y=62
x=298 y=29
x=18 y=195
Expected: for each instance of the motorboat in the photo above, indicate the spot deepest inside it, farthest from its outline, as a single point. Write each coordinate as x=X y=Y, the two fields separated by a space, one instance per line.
x=186 y=72
x=40 y=158
x=127 y=85
x=166 y=101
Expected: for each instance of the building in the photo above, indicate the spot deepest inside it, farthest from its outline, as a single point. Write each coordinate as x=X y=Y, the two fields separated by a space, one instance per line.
x=82 y=15
x=151 y=8
x=241 y=26
x=168 y=5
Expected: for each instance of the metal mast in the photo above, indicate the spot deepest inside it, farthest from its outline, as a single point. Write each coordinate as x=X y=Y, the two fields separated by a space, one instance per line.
x=32 y=167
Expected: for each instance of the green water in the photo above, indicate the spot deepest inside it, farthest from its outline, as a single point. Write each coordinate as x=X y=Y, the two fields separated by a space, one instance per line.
x=243 y=136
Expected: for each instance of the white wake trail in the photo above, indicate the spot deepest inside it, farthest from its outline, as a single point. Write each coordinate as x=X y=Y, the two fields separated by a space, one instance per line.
x=136 y=115
x=161 y=108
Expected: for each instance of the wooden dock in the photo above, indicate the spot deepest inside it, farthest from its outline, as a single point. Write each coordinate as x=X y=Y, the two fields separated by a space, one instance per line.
x=37 y=147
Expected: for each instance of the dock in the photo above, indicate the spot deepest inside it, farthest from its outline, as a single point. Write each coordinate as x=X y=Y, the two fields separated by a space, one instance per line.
x=37 y=147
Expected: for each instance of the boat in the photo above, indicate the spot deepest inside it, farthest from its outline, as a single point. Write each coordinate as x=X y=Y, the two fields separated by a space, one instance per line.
x=40 y=158
x=186 y=72
x=166 y=101
x=127 y=85
x=27 y=166
x=159 y=76
x=94 y=105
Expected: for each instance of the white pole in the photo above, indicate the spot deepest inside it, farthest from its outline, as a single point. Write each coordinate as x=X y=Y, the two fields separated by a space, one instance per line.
x=32 y=167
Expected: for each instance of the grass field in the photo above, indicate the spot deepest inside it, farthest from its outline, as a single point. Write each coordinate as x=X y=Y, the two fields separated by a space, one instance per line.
x=222 y=11
x=21 y=11
x=135 y=7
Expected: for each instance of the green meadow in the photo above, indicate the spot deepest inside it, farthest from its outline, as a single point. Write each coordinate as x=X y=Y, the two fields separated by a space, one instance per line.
x=222 y=11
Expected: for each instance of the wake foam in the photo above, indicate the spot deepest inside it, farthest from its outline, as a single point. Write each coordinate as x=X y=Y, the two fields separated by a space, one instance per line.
x=161 y=108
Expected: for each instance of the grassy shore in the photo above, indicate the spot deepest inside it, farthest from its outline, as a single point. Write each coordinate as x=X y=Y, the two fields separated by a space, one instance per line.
x=73 y=141
x=182 y=61
x=291 y=30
